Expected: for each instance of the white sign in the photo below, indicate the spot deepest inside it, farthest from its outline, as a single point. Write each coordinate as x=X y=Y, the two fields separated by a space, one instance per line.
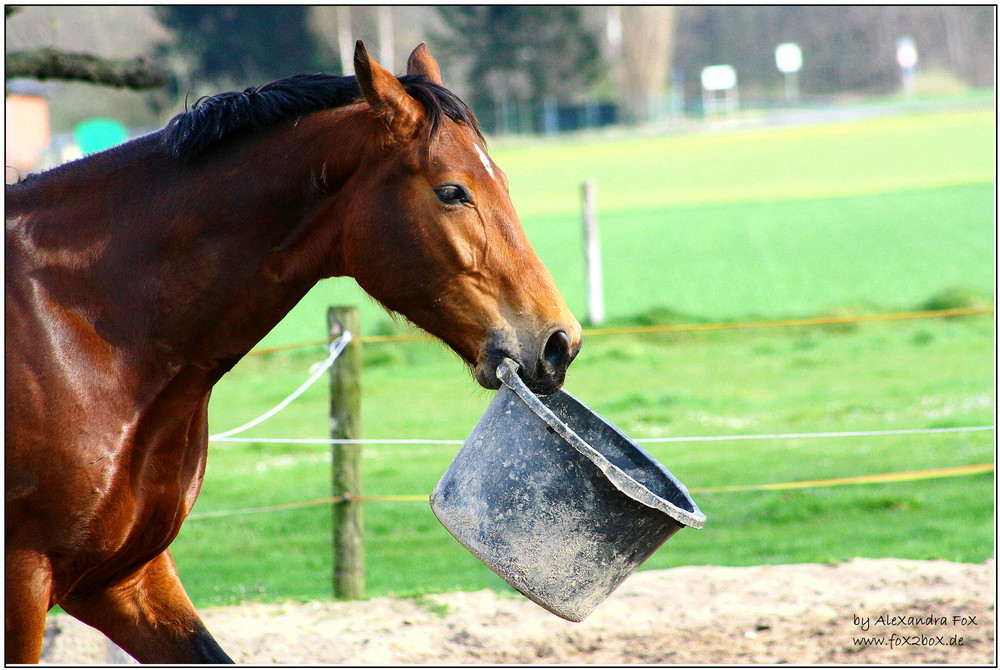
x=788 y=56
x=718 y=78
x=906 y=53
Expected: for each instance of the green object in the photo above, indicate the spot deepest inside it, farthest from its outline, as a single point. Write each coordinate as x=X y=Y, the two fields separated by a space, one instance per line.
x=95 y=135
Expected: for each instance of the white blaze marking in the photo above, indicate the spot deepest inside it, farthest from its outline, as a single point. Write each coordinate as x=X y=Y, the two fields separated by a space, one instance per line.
x=486 y=161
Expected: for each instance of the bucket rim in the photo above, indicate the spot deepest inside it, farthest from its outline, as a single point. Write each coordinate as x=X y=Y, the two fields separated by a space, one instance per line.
x=695 y=518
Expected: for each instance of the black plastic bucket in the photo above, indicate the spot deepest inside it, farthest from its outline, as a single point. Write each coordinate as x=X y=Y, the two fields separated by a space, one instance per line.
x=556 y=500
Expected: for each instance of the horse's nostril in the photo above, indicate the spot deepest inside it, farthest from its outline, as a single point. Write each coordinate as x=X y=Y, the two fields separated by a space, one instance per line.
x=556 y=351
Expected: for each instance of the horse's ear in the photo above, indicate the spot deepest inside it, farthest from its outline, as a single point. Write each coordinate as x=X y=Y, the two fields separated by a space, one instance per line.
x=386 y=96
x=422 y=62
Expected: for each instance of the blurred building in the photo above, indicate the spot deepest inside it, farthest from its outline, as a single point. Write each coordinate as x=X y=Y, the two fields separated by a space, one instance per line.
x=26 y=129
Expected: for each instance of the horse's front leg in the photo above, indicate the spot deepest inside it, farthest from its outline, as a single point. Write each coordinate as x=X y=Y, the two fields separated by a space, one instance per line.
x=26 y=602
x=150 y=616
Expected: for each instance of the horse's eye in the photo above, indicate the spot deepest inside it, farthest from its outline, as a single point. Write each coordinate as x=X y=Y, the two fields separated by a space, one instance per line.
x=452 y=194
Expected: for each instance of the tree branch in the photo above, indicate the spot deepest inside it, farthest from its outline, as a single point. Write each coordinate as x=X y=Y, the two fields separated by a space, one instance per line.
x=53 y=64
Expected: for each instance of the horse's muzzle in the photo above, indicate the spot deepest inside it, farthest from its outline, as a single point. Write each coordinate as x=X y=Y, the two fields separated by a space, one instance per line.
x=542 y=364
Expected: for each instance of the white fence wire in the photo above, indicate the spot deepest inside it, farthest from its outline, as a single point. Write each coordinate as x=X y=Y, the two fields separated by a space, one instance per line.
x=338 y=345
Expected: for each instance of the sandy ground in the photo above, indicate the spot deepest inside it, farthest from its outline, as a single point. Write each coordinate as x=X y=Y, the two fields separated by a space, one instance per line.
x=772 y=614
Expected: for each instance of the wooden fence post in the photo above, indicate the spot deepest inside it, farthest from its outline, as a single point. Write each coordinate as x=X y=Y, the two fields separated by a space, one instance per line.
x=592 y=246
x=345 y=423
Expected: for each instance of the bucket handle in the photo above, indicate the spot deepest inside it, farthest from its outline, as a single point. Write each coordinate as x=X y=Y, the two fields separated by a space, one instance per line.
x=507 y=372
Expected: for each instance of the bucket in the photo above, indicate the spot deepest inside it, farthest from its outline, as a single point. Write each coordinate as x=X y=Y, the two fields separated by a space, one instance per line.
x=556 y=500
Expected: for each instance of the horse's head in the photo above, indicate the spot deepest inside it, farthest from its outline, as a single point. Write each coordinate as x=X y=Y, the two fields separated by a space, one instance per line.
x=440 y=242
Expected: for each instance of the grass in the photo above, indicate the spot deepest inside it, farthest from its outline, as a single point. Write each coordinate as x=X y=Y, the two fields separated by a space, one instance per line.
x=786 y=258
x=870 y=157
x=859 y=217
x=877 y=376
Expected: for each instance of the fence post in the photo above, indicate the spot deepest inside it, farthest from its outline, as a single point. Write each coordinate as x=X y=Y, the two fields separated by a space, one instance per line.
x=592 y=244
x=345 y=423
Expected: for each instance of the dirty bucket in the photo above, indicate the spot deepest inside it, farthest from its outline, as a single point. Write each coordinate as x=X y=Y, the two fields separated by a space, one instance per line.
x=556 y=500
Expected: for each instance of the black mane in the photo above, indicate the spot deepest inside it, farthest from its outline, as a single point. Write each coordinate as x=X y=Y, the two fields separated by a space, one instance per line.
x=214 y=119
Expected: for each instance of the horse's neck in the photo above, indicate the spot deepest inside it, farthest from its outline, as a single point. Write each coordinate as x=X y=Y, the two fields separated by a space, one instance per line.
x=270 y=230
x=195 y=264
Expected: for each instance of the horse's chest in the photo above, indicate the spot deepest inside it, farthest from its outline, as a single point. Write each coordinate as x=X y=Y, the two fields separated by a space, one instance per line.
x=114 y=510
x=117 y=526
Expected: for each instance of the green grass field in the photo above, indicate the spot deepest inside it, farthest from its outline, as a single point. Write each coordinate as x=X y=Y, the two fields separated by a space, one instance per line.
x=853 y=217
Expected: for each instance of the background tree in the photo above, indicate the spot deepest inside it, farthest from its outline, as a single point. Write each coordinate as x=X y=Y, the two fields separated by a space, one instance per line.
x=515 y=56
x=503 y=59
x=234 y=46
x=389 y=31
x=646 y=55
x=42 y=64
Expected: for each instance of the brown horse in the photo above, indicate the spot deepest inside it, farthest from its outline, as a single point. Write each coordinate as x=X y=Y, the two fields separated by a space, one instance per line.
x=138 y=276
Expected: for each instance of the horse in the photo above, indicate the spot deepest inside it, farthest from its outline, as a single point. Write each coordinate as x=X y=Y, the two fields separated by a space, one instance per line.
x=138 y=276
